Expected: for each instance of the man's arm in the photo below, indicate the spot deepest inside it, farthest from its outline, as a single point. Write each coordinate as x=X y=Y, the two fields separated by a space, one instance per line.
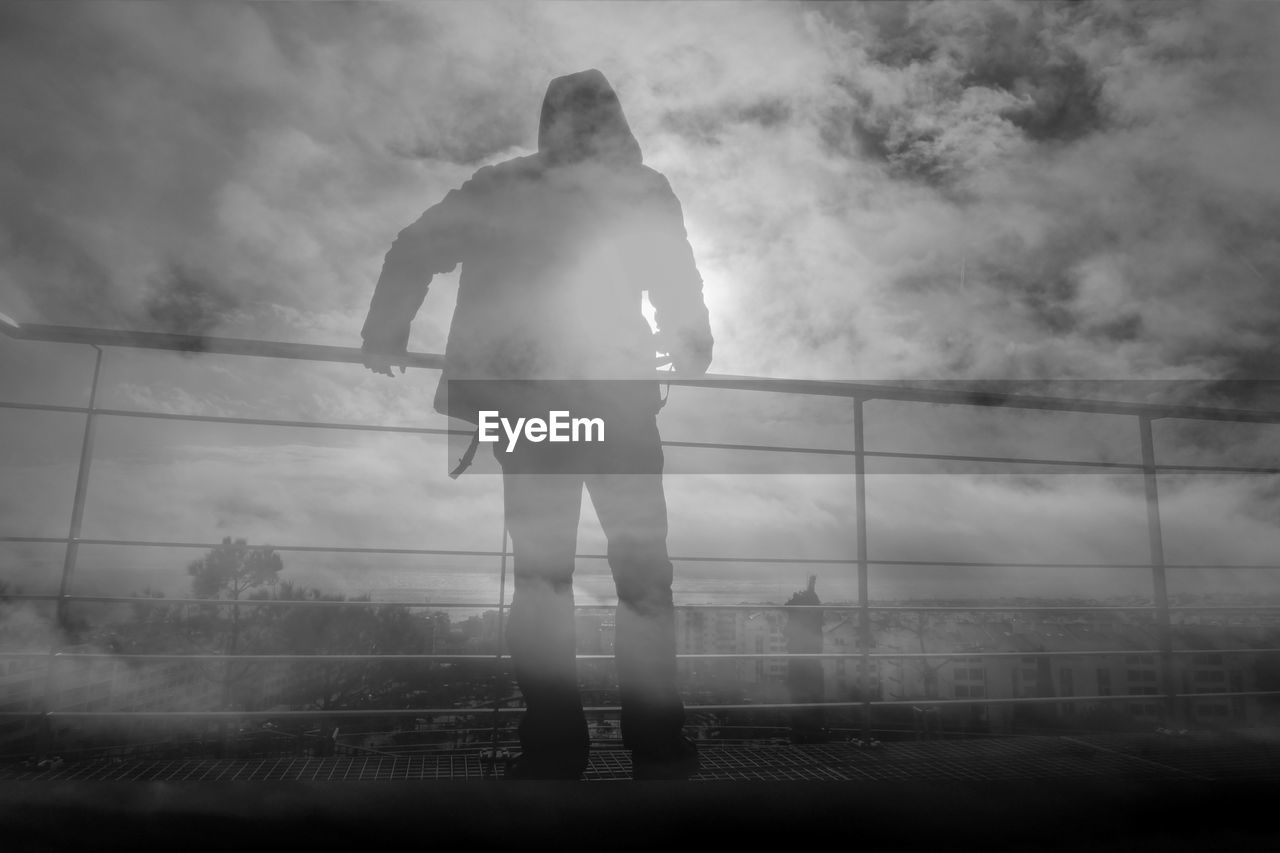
x=673 y=282
x=433 y=244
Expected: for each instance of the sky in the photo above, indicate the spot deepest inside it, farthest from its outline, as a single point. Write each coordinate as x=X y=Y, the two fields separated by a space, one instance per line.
x=1034 y=192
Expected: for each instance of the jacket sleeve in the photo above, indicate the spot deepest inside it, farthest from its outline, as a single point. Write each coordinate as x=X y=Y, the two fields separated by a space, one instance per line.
x=670 y=274
x=434 y=244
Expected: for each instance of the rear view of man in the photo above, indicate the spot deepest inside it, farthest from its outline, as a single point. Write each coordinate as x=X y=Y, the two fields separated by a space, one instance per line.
x=557 y=250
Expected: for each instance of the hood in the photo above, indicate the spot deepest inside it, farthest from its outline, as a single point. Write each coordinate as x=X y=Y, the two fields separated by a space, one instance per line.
x=582 y=120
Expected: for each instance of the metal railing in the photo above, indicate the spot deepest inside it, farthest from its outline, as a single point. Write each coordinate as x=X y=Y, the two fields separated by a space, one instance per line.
x=1143 y=415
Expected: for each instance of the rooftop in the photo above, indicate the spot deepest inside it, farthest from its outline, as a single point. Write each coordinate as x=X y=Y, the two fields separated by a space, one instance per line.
x=1103 y=791
x=1100 y=792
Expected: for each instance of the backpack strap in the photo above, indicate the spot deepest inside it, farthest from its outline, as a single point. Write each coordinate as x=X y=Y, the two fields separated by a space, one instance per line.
x=467 y=455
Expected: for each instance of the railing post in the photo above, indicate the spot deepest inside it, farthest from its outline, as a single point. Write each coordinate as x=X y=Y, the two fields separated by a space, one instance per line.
x=82 y=487
x=865 y=637
x=1164 y=628
x=62 y=623
x=498 y=680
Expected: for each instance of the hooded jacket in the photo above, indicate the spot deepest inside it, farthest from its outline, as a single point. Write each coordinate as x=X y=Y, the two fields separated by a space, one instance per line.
x=556 y=250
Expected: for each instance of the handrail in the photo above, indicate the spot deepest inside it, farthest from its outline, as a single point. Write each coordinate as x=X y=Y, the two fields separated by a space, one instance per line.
x=179 y=657
x=974 y=395
x=475 y=605
x=950 y=393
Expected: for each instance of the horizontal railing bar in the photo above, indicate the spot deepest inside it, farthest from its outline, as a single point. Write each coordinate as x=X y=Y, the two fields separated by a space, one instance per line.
x=266 y=658
x=1052 y=653
x=269 y=602
x=1012 y=608
x=206 y=344
x=947 y=457
x=231 y=715
x=1054 y=608
x=1222 y=566
x=1017 y=460
x=277 y=422
x=336 y=549
x=973 y=397
x=356 y=658
x=768 y=448
x=246 y=602
x=468 y=605
x=972 y=564
x=44 y=407
x=899 y=703
x=713 y=656
x=341 y=549
x=705 y=445
x=231 y=419
x=1221 y=695
x=1221 y=469
x=808 y=387
x=612 y=709
x=1223 y=608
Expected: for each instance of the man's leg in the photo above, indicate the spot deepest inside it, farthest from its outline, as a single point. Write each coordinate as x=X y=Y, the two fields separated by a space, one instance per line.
x=542 y=517
x=633 y=512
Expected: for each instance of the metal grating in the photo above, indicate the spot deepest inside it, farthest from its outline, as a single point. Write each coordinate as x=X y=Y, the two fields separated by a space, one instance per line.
x=1140 y=757
x=1202 y=755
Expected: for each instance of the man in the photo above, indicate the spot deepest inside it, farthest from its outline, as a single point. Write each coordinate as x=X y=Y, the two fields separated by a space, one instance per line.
x=557 y=250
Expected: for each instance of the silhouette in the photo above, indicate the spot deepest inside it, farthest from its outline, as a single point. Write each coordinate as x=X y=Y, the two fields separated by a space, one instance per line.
x=804 y=675
x=557 y=249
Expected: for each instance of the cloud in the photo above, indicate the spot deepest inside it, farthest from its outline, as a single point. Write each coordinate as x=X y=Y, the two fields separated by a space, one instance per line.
x=904 y=190
x=187 y=302
x=1012 y=168
x=1034 y=192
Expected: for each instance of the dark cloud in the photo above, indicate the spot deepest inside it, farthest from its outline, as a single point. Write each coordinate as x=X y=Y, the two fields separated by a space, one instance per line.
x=237 y=138
x=1064 y=99
x=1063 y=153
x=1100 y=167
x=186 y=301
x=1021 y=50
x=1123 y=329
x=236 y=511
x=973 y=74
x=467 y=146
x=706 y=125
x=62 y=279
x=111 y=155
x=896 y=34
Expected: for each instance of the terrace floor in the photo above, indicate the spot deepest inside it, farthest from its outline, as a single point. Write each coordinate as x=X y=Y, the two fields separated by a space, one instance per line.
x=1096 y=792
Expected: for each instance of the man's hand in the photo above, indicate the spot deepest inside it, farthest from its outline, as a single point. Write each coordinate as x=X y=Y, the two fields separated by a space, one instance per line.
x=381 y=361
x=684 y=355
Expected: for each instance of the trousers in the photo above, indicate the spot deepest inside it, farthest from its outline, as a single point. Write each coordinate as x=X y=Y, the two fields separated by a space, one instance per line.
x=542 y=494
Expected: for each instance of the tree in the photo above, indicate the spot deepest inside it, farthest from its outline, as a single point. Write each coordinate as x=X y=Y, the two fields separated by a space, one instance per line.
x=233 y=568
x=918 y=627
x=357 y=629
x=229 y=571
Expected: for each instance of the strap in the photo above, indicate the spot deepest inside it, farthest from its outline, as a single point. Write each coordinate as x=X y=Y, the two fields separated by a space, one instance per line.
x=665 y=396
x=467 y=455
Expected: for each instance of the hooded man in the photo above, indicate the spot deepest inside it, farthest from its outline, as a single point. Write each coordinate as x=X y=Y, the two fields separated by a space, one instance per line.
x=557 y=251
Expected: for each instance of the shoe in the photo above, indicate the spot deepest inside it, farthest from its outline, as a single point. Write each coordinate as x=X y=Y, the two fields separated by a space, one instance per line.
x=679 y=762
x=525 y=767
